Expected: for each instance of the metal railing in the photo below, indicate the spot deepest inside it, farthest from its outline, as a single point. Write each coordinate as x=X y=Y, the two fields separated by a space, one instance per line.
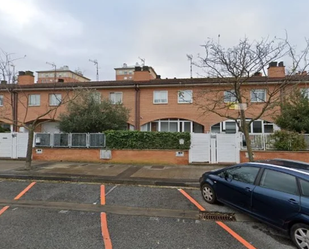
x=70 y=140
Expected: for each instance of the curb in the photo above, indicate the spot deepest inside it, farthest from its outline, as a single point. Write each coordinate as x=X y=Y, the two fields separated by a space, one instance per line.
x=110 y=180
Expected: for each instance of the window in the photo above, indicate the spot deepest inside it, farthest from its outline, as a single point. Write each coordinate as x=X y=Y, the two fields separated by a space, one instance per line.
x=242 y=174
x=1 y=100
x=115 y=98
x=279 y=181
x=54 y=99
x=96 y=96
x=229 y=96
x=305 y=91
x=34 y=100
x=185 y=96
x=304 y=187
x=258 y=95
x=257 y=126
x=229 y=127
x=160 y=97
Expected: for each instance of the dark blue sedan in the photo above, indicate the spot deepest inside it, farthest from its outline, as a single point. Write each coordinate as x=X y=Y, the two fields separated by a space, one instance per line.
x=274 y=194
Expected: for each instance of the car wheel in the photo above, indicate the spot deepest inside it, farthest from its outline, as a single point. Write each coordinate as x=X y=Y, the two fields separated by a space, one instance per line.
x=209 y=194
x=300 y=235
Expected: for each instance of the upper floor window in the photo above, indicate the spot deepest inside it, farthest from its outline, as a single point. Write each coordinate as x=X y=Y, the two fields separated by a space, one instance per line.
x=1 y=100
x=305 y=91
x=185 y=96
x=34 y=100
x=96 y=96
x=160 y=97
x=55 y=99
x=229 y=96
x=258 y=95
x=115 y=97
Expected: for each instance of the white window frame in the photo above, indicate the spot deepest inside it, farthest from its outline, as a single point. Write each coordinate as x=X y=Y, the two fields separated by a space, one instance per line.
x=305 y=91
x=185 y=96
x=229 y=96
x=55 y=99
x=255 y=95
x=115 y=97
x=34 y=100
x=160 y=97
x=1 y=100
x=96 y=96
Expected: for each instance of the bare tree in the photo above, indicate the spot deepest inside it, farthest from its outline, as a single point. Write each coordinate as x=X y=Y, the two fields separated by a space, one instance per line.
x=18 y=97
x=7 y=68
x=233 y=73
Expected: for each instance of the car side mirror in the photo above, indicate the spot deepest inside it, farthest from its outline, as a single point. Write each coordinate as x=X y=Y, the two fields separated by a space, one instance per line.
x=226 y=175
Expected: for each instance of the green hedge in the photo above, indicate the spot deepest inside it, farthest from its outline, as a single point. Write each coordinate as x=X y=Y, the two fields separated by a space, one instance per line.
x=288 y=141
x=147 y=140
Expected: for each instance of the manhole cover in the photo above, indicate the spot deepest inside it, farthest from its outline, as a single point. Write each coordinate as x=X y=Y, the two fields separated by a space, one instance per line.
x=205 y=215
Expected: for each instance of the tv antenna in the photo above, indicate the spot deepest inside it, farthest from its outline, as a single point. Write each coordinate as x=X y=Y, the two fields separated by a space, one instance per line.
x=143 y=61
x=55 y=68
x=190 y=58
x=95 y=62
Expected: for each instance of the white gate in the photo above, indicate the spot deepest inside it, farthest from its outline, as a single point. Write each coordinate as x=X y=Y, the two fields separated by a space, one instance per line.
x=214 y=148
x=6 y=145
x=13 y=145
x=200 y=148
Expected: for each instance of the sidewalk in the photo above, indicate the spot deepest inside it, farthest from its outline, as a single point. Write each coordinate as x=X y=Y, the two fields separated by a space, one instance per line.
x=184 y=176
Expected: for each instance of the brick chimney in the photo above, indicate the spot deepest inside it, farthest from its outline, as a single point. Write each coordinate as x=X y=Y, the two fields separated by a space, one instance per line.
x=276 y=70
x=25 y=78
x=142 y=74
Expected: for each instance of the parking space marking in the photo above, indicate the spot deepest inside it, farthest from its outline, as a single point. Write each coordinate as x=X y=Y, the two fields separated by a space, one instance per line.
x=221 y=224
x=18 y=196
x=4 y=209
x=191 y=199
x=24 y=191
x=102 y=195
x=105 y=233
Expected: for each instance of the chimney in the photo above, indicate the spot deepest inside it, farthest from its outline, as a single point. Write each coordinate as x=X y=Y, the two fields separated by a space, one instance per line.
x=276 y=70
x=142 y=73
x=25 y=78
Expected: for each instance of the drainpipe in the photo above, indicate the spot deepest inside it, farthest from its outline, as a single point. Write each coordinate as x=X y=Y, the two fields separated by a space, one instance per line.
x=15 y=108
x=137 y=108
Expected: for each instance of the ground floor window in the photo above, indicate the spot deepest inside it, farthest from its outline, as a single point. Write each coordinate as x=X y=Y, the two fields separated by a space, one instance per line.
x=173 y=125
x=256 y=127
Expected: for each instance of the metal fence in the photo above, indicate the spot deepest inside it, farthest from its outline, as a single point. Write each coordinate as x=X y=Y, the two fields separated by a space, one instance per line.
x=264 y=142
x=70 y=140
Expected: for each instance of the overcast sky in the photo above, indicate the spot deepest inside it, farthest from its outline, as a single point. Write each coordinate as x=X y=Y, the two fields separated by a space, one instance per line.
x=162 y=32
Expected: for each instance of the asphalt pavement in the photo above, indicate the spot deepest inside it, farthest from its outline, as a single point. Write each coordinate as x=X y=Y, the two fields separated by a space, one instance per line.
x=159 y=175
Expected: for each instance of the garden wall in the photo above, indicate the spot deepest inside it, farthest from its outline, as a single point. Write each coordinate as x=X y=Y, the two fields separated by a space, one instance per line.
x=117 y=156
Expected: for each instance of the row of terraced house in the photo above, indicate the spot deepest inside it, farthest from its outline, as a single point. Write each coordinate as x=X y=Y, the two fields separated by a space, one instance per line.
x=155 y=104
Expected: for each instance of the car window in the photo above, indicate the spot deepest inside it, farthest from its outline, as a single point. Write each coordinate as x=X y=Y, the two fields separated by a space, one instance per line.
x=279 y=181
x=243 y=174
x=304 y=185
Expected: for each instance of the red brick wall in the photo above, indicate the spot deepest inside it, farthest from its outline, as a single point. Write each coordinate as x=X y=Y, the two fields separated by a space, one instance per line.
x=261 y=155
x=118 y=156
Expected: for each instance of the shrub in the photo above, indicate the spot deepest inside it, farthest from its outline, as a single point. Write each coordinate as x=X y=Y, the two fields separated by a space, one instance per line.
x=288 y=141
x=146 y=140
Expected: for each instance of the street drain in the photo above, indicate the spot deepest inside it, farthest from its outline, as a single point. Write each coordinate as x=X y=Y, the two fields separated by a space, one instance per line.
x=217 y=216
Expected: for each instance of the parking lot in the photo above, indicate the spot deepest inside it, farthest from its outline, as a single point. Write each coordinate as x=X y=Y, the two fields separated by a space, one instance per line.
x=67 y=215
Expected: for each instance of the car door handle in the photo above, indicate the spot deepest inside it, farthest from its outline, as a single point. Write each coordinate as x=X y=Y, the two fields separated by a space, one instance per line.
x=248 y=189
x=292 y=201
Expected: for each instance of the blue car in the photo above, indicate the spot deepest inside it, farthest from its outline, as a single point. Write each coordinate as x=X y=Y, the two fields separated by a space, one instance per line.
x=274 y=194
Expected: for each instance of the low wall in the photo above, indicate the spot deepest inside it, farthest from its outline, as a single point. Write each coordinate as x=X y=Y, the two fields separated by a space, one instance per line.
x=262 y=155
x=117 y=156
